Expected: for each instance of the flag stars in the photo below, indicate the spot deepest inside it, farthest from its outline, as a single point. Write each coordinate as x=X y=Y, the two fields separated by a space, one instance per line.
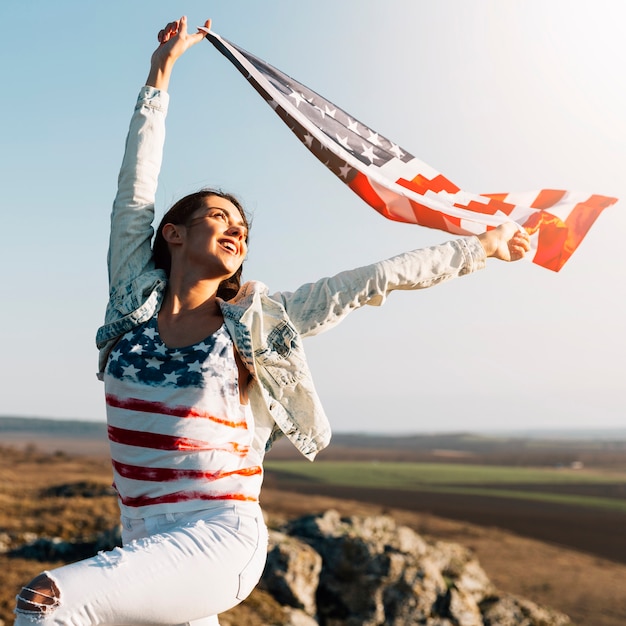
x=330 y=112
x=137 y=349
x=308 y=140
x=368 y=153
x=153 y=362
x=343 y=141
x=177 y=356
x=203 y=347
x=373 y=138
x=353 y=126
x=160 y=348
x=344 y=170
x=298 y=97
x=115 y=355
x=395 y=149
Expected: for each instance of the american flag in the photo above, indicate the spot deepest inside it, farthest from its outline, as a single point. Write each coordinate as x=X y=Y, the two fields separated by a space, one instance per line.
x=403 y=188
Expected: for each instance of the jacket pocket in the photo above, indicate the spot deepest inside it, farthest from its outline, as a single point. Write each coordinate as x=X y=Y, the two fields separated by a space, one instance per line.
x=282 y=357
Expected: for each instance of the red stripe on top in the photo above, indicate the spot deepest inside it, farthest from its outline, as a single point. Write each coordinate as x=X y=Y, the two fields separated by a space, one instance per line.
x=157 y=441
x=184 y=496
x=162 y=474
x=160 y=408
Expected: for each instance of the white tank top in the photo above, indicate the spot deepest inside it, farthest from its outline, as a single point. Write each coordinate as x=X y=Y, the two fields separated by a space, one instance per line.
x=180 y=438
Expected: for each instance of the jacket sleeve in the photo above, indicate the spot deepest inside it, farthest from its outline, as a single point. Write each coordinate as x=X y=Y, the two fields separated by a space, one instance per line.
x=130 y=252
x=316 y=307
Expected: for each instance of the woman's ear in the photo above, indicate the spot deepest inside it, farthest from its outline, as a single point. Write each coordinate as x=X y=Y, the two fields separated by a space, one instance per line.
x=173 y=233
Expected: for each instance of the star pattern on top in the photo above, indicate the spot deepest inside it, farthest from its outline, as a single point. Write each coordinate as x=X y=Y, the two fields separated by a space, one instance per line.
x=142 y=357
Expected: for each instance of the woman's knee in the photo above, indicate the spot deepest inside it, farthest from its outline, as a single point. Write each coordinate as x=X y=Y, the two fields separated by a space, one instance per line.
x=40 y=596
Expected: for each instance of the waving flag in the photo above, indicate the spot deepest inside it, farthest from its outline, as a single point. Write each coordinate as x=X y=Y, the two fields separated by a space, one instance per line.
x=405 y=189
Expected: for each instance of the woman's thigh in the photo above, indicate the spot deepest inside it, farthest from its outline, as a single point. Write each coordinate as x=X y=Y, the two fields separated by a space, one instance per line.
x=187 y=572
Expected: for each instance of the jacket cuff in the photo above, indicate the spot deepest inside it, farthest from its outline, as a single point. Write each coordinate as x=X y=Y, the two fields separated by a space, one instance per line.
x=153 y=98
x=475 y=256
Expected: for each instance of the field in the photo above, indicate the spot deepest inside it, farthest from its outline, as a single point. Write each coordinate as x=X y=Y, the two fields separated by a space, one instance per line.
x=545 y=518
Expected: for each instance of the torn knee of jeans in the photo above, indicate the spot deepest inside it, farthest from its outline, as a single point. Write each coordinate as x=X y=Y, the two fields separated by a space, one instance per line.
x=41 y=595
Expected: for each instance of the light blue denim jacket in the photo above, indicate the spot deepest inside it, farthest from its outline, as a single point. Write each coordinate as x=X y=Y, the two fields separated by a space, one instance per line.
x=267 y=329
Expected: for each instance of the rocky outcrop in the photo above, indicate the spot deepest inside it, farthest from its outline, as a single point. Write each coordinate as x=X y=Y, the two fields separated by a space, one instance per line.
x=358 y=571
x=368 y=571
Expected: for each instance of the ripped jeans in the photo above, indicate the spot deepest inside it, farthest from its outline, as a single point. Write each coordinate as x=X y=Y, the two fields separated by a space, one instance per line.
x=182 y=568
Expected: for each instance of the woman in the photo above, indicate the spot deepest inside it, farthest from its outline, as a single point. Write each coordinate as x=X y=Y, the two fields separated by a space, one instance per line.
x=201 y=375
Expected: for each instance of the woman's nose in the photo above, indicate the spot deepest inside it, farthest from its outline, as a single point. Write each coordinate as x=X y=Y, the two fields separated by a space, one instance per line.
x=236 y=231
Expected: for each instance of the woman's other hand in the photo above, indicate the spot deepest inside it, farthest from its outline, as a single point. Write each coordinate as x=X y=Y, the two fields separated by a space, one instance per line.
x=506 y=242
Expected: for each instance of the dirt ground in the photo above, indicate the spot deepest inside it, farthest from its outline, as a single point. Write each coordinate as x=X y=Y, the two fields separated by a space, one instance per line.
x=591 y=589
x=593 y=531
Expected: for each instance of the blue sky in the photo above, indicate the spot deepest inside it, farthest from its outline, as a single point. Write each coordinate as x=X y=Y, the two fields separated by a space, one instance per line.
x=499 y=96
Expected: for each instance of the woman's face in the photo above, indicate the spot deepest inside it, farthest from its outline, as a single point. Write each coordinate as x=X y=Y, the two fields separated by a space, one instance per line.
x=215 y=236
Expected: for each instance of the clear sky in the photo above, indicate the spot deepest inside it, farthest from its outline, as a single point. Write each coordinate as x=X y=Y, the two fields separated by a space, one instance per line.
x=498 y=96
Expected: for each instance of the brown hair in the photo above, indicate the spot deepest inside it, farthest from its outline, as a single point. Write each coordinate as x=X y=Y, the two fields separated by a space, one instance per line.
x=180 y=213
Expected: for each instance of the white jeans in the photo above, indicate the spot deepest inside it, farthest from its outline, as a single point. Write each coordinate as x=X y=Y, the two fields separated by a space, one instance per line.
x=173 y=569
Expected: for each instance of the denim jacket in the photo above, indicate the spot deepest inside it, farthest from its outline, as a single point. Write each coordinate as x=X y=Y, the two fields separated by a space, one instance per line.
x=267 y=330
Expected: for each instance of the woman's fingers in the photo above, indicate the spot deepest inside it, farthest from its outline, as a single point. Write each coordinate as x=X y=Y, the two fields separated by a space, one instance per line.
x=179 y=27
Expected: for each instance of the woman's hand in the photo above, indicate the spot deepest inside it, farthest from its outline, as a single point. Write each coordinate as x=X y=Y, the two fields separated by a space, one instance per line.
x=174 y=41
x=507 y=242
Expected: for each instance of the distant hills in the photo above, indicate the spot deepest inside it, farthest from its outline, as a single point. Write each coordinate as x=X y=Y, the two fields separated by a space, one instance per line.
x=89 y=429
x=52 y=427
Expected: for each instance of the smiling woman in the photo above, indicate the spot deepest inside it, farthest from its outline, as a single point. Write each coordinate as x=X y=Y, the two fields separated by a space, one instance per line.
x=204 y=203
x=201 y=375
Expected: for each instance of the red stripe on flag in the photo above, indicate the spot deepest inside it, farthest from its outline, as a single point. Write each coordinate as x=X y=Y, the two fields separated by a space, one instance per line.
x=156 y=441
x=558 y=239
x=160 y=408
x=496 y=196
x=426 y=216
x=163 y=474
x=360 y=184
x=490 y=208
x=547 y=198
x=421 y=184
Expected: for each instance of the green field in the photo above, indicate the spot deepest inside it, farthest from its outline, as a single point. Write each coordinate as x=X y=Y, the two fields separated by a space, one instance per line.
x=589 y=488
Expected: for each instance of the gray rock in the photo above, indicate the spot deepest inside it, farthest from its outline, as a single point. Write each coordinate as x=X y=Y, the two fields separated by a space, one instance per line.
x=508 y=610
x=56 y=549
x=375 y=573
x=292 y=572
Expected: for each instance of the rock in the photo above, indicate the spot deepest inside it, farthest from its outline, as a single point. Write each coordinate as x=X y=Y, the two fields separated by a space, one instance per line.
x=79 y=489
x=374 y=573
x=5 y=542
x=295 y=617
x=507 y=610
x=56 y=549
x=292 y=572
